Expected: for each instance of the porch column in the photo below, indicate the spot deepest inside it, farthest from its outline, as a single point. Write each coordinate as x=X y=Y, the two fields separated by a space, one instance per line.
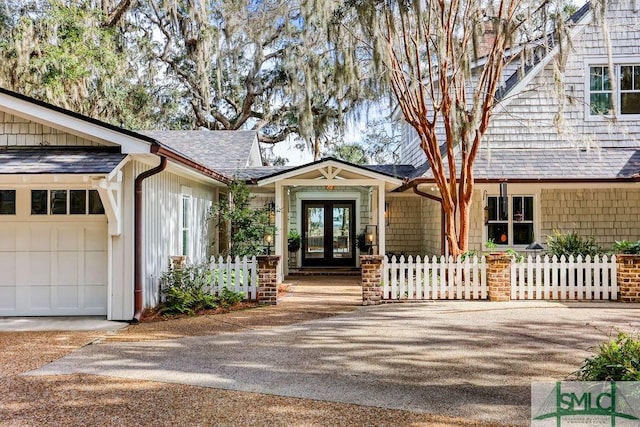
x=371 y=279
x=280 y=236
x=381 y=222
x=268 y=279
x=499 y=277
x=628 y=277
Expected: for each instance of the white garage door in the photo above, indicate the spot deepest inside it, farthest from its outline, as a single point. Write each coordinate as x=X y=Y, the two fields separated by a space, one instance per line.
x=53 y=268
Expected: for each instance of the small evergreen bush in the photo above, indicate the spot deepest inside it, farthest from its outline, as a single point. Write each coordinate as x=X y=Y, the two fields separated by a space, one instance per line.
x=185 y=292
x=571 y=244
x=616 y=360
x=625 y=247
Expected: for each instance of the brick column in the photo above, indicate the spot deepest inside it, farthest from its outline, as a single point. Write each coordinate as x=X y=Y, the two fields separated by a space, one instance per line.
x=499 y=277
x=371 y=279
x=628 y=276
x=268 y=279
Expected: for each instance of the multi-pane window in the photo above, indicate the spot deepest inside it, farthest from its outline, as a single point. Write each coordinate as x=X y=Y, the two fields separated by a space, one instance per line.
x=186 y=221
x=510 y=220
x=600 y=101
x=630 y=89
x=627 y=91
x=7 y=202
x=64 y=202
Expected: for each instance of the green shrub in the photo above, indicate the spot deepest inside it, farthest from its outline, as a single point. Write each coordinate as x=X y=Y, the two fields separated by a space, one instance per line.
x=229 y=297
x=184 y=290
x=293 y=241
x=616 y=360
x=624 y=247
x=571 y=244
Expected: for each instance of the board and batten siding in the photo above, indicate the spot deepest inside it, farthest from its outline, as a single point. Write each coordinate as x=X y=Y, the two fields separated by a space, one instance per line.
x=21 y=132
x=162 y=235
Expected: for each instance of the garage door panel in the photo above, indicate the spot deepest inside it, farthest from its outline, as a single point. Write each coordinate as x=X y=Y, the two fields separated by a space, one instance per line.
x=39 y=298
x=95 y=297
x=95 y=268
x=67 y=266
x=7 y=297
x=7 y=237
x=39 y=237
x=69 y=238
x=39 y=268
x=67 y=297
x=7 y=268
x=53 y=268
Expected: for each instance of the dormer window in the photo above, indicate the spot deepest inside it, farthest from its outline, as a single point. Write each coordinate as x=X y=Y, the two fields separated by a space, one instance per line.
x=627 y=91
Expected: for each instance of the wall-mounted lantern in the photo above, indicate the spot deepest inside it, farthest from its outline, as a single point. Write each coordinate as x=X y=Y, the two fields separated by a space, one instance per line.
x=269 y=235
x=371 y=237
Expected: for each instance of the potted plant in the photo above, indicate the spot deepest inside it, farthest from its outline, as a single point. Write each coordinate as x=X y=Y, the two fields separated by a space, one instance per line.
x=293 y=241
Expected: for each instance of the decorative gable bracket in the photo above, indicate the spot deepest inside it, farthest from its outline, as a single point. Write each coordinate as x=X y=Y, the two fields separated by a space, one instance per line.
x=110 y=190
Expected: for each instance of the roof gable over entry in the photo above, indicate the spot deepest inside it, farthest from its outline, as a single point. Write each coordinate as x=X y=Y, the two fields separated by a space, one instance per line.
x=332 y=172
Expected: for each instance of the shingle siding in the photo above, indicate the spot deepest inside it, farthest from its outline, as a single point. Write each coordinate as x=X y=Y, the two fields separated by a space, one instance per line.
x=529 y=119
x=20 y=132
x=606 y=214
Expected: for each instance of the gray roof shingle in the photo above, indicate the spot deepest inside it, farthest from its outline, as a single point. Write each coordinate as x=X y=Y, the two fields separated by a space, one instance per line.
x=555 y=164
x=58 y=160
x=215 y=150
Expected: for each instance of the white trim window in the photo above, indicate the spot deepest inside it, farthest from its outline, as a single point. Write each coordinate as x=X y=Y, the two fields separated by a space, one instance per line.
x=510 y=223
x=66 y=202
x=7 y=202
x=627 y=93
x=186 y=221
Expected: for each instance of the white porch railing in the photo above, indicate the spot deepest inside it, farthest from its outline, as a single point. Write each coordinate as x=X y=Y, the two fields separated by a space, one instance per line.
x=435 y=278
x=564 y=279
x=238 y=275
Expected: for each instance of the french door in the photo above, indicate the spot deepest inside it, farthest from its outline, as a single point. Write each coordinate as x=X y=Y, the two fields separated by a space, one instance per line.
x=328 y=233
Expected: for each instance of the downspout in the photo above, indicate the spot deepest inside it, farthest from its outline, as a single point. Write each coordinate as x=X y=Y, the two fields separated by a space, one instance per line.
x=137 y=241
x=442 y=218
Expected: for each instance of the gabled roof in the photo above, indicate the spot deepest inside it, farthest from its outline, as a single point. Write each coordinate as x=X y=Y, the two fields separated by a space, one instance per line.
x=555 y=165
x=346 y=171
x=72 y=160
x=214 y=149
x=72 y=122
x=541 y=57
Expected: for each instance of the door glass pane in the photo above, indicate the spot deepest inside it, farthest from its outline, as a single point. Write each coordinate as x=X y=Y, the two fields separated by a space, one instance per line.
x=341 y=234
x=7 y=202
x=78 y=202
x=38 y=202
x=58 y=202
x=95 y=204
x=315 y=232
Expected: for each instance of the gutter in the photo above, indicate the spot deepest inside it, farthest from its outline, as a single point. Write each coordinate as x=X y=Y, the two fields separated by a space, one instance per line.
x=137 y=240
x=633 y=178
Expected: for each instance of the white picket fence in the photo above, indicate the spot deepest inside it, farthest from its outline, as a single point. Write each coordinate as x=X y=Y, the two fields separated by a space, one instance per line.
x=435 y=278
x=238 y=275
x=564 y=279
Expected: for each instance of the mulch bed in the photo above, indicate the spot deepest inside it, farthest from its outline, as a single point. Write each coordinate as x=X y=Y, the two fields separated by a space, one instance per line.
x=153 y=315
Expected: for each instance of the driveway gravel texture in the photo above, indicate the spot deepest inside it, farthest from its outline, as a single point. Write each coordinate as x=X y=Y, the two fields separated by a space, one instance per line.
x=317 y=359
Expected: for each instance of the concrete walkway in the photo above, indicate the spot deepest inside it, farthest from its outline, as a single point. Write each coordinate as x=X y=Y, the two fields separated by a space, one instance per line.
x=70 y=323
x=467 y=359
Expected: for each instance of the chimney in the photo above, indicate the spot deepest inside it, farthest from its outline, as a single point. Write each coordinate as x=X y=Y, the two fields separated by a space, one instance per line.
x=483 y=43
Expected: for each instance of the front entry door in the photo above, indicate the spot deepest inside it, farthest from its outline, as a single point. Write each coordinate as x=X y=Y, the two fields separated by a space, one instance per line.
x=328 y=234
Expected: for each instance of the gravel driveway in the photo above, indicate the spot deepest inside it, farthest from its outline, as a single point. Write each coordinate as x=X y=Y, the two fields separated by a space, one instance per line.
x=474 y=360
